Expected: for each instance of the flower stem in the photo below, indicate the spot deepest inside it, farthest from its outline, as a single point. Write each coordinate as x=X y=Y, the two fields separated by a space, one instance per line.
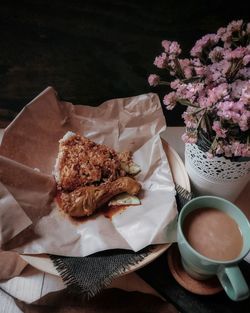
x=179 y=68
x=213 y=145
x=192 y=79
x=197 y=111
x=208 y=126
x=164 y=83
x=199 y=122
x=233 y=69
x=187 y=103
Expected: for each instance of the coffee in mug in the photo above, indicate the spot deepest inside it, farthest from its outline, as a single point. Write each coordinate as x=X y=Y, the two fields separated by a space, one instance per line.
x=213 y=236
x=213 y=233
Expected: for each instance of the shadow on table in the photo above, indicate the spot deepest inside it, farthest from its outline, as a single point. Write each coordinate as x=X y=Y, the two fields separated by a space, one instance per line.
x=158 y=275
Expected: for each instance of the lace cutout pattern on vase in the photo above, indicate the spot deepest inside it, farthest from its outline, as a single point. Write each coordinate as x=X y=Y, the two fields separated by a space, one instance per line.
x=217 y=169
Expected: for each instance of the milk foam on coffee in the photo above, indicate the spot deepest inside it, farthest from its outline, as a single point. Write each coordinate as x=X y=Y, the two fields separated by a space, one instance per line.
x=213 y=233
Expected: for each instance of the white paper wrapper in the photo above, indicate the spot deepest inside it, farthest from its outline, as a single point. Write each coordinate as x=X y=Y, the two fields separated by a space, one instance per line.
x=31 y=141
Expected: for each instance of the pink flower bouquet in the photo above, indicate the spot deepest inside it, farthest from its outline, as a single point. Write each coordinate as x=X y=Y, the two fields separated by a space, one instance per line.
x=214 y=85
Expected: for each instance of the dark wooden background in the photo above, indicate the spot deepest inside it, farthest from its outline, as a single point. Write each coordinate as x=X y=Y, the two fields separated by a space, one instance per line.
x=92 y=51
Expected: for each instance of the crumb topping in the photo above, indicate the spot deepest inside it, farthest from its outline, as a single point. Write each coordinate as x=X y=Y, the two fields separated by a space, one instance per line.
x=84 y=162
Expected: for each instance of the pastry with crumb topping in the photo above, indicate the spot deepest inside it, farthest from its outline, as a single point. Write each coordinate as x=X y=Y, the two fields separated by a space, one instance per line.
x=90 y=174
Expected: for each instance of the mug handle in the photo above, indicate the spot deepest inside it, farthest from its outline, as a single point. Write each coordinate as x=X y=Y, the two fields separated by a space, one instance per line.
x=233 y=282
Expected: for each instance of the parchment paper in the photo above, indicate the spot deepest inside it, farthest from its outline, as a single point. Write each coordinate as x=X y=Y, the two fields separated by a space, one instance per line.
x=27 y=156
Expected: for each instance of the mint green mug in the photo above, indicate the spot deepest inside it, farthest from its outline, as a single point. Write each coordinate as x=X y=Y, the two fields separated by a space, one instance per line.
x=201 y=267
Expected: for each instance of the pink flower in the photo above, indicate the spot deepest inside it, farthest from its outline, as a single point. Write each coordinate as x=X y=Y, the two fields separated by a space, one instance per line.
x=217 y=93
x=209 y=155
x=221 y=31
x=186 y=67
x=244 y=73
x=246 y=59
x=244 y=121
x=188 y=91
x=220 y=132
x=200 y=71
x=189 y=120
x=219 y=150
x=245 y=151
x=216 y=54
x=216 y=72
x=245 y=93
x=214 y=85
x=237 y=53
x=175 y=84
x=226 y=111
x=207 y=40
x=227 y=150
x=225 y=34
x=170 y=100
x=204 y=102
x=239 y=106
x=234 y=26
x=153 y=79
x=237 y=88
x=161 y=60
x=236 y=148
x=174 y=50
x=199 y=68
x=181 y=91
x=189 y=137
x=166 y=45
x=240 y=149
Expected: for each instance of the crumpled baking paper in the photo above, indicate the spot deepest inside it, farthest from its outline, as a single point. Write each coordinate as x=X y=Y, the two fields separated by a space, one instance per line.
x=30 y=221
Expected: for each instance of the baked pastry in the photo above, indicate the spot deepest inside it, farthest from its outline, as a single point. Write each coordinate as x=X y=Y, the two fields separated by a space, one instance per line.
x=89 y=174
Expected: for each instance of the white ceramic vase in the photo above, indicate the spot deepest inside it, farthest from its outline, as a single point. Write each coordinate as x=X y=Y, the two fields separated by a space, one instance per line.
x=218 y=176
